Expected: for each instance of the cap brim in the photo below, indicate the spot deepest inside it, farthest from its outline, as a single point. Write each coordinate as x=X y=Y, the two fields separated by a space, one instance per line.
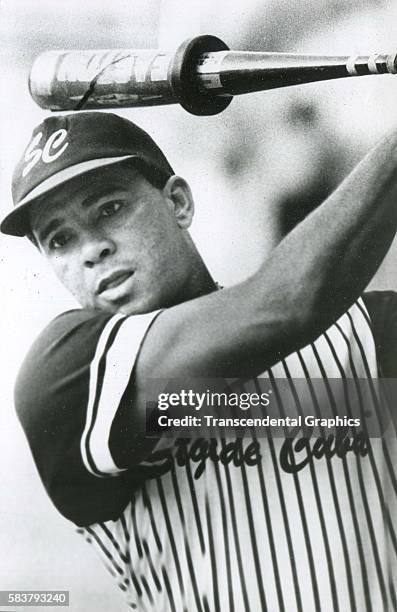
x=16 y=222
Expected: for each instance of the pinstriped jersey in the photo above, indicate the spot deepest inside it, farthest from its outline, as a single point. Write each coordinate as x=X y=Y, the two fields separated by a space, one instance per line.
x=277 y=524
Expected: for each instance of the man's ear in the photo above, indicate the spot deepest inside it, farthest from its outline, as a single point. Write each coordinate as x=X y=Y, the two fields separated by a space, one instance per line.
x=178 y=192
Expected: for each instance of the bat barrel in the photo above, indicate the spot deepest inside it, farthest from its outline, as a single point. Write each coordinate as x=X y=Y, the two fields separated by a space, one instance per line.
x=104 y=78
x=203 y=75
x=125 y=78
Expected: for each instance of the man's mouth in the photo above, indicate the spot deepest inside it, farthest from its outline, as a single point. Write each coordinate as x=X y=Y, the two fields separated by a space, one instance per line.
x=113 y=280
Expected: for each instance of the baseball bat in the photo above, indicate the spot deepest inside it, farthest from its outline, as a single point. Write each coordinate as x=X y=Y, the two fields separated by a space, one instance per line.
x=203 y=75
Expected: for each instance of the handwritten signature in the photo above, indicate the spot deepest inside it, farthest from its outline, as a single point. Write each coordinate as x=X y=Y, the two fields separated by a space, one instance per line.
x=297 y=451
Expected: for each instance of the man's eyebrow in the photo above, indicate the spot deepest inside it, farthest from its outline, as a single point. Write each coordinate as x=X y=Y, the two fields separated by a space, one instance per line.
x=50 y=227
x=91 y=199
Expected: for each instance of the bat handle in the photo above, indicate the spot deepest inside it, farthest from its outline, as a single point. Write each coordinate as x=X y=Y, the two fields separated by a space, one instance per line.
x=378 y=63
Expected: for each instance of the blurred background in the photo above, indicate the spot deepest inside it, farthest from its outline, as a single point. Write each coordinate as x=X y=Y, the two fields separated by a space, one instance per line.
x=255 y=170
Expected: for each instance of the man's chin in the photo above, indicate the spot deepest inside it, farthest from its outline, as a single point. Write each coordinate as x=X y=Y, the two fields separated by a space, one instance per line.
x=129 y=307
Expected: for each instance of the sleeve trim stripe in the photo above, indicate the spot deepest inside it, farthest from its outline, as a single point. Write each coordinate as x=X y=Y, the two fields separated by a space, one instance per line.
x=93 y=390
x=119 y=361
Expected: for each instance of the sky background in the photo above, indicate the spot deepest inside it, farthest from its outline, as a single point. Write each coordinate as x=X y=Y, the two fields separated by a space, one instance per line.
x=248 y=168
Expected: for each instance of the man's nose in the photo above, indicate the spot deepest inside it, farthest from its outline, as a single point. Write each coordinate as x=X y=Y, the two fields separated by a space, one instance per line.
x=95 y=249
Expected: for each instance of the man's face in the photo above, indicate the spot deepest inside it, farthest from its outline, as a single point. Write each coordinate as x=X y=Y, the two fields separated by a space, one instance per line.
x=114 y=241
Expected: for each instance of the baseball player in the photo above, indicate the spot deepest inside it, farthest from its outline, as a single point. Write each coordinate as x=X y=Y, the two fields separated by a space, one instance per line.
x=300 y=522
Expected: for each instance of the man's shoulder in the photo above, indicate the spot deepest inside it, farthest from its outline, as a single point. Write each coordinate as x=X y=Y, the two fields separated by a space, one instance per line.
x=83 y=328
x=74 y=332
x=65 y=346
x=70 y=320
x=68 y=344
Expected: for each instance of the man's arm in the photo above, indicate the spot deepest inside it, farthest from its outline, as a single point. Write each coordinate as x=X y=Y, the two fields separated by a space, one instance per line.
x=306 y=283
x=73 y=399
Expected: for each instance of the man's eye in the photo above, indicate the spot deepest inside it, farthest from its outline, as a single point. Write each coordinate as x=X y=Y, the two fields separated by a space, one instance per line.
x=58 y=241
x=111 y=208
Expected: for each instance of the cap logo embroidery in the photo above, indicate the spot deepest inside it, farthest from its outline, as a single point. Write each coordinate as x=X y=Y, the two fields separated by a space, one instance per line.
x=49 y=153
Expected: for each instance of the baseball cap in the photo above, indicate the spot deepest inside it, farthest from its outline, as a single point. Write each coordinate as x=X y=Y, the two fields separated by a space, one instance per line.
x=65 y=146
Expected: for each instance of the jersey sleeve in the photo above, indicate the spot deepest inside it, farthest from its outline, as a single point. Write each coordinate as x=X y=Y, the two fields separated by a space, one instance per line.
x=73 y=397
x=382 y=309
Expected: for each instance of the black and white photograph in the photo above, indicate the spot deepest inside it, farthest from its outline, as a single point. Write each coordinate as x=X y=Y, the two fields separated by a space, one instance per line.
x=199 y=305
